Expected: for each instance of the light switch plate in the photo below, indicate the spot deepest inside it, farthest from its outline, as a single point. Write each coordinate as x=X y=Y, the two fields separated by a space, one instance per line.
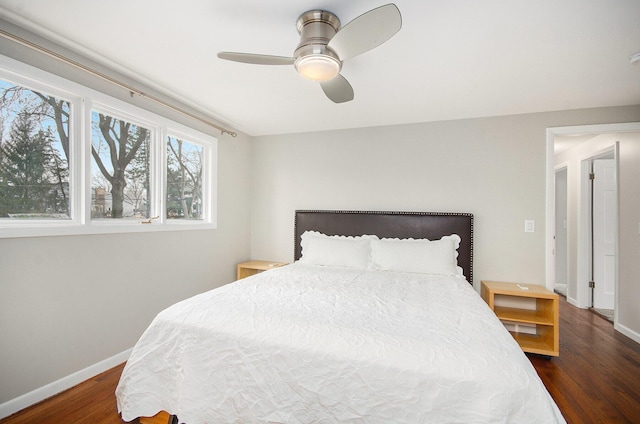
x=529 y=226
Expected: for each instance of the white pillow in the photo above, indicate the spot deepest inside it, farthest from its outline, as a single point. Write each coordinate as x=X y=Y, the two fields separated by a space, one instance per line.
x=340 y=251
x=421 y=256
x=456 y=244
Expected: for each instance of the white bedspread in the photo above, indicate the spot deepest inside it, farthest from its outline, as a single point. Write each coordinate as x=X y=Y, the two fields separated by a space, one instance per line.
x=308 y=344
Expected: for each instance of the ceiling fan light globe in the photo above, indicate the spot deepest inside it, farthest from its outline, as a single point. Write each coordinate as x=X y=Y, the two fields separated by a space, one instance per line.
x=318 y=67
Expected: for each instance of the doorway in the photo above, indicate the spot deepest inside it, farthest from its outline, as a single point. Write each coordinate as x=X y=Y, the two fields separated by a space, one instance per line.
x=601 y=140
x=624 y=139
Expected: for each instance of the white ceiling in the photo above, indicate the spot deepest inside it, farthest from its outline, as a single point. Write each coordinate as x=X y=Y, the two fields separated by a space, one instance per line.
x=452 y=59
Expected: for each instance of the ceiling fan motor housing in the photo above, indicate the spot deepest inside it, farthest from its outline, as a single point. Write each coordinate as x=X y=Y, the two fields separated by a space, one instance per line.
x=313 y=59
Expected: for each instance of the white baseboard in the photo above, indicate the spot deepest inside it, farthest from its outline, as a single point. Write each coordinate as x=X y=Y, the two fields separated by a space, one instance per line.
x=628 y=332
x=44 y=392
x=573 y=302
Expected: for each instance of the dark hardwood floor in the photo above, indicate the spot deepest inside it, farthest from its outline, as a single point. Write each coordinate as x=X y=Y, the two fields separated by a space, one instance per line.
x=596 y=379
x=90 y=402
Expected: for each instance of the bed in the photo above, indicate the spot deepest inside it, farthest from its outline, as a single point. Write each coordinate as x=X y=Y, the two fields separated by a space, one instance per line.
x=359 y=329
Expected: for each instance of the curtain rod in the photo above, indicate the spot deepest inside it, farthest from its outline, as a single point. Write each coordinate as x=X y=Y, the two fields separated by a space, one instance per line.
x=132 y=90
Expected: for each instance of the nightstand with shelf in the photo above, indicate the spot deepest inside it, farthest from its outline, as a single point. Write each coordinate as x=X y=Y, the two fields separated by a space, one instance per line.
x=249 y=268
x=505 y=299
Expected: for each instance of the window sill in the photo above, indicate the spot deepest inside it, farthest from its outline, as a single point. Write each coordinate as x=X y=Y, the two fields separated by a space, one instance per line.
x=47 y=230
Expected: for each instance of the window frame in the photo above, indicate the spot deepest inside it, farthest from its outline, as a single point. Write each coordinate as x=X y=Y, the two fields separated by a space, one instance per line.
x=83 y=100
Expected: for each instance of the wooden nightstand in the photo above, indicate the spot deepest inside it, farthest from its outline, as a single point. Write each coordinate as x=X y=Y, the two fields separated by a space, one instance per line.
x=544 y=319
x=246 y=269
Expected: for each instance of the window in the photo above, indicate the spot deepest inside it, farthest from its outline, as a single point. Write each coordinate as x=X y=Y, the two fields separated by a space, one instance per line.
x=120 y=168
x=34 y=154
x=184 y=179
x=75 y=161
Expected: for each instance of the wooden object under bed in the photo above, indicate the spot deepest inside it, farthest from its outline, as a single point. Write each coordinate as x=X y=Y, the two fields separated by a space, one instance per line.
x=161 y=417
x=429 y=225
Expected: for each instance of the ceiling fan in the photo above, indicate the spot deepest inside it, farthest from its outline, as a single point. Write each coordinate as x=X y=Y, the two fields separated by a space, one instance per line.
x=324 y=45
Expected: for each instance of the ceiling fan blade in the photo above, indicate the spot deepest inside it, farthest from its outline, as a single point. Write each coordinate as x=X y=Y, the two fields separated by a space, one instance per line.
x=256 y=59
x=338 y=89
x=367 y=31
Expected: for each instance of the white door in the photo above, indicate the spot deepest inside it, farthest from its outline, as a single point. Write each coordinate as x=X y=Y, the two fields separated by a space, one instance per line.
x=604 y=233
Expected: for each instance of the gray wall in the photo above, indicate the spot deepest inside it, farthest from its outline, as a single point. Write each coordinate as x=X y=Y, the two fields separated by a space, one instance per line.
x=494 y=168
x=67 y=303
x=561 y=228
x=629 y=231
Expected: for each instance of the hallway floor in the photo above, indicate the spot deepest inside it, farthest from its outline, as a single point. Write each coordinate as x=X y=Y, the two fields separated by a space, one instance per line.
x=607 y=314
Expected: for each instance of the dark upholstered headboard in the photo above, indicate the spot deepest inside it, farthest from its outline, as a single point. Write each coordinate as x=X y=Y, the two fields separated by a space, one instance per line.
x=429 y=225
